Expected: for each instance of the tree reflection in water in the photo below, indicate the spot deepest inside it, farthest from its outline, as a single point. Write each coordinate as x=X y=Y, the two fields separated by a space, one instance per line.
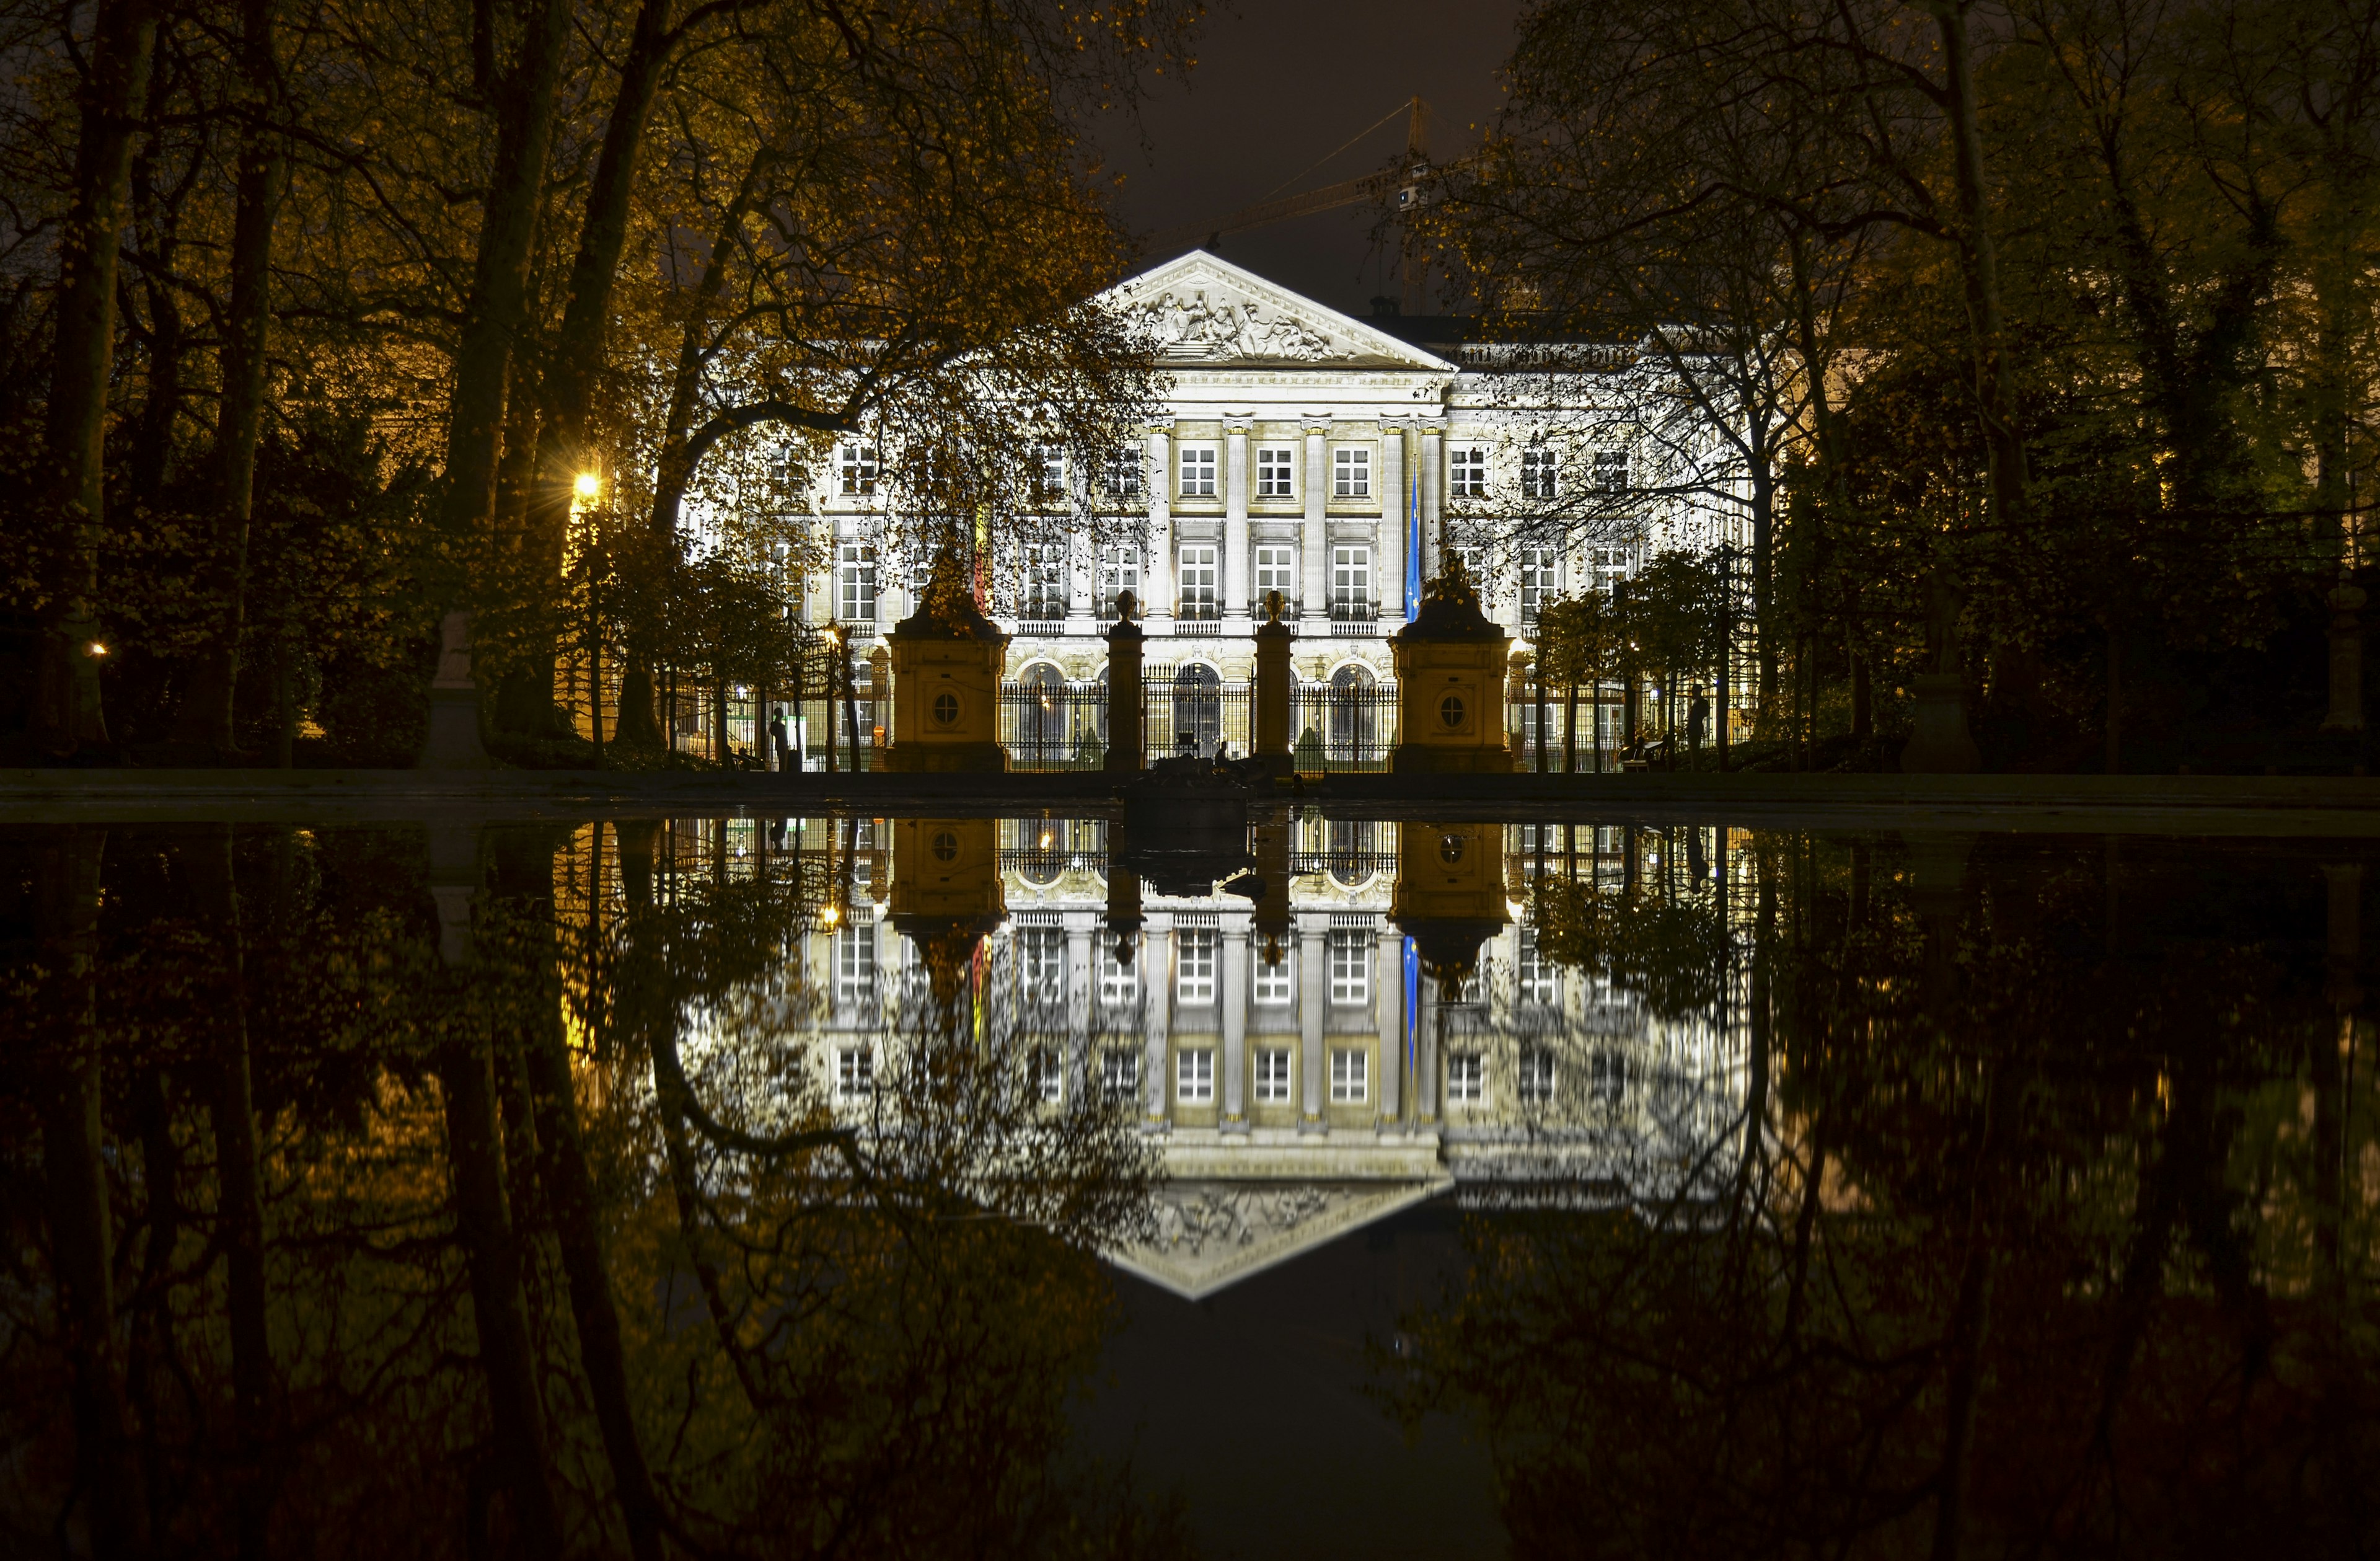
x=2053 y=1233
x=370 y=1199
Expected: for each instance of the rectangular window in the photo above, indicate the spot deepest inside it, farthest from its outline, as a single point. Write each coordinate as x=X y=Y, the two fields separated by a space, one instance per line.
x=1537 y=1075
x=1042 y=963
x=1351 y=582
x=1539 y=981
x=855 y=1073
x=1611 y=470
x=1119 y=1076
x=1351 y=473
x=1045 y=582
x=1610 y=565
x=860 y=466
x=1275 y=472
x=1607 y=1078
x=855 y=584
x=1466 y=473
x=1119 y=982
x=1347 y=1076
x=1193 y=1076
x=1198 y=584
x=854 y=963
x=1539 y=475
x=1276 y=570
x=1119 y=572
x=1272 y=1078
x=1466 y=1079
x=1199 y=471
x=1272 y=986
x=1047 y=1079
x=1540 y=576
x=1194 y=965
x=1122 y=473
x=1350 y=965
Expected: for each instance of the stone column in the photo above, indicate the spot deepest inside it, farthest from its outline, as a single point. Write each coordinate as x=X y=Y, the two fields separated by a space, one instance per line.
x=1313 y=1008
x=453 y=739
x=1433 y=494
x=1235 y=527
x=1080 y=926
x=1234 y=1064
x=1125 y=643
x=1426 y=1056
x=1389 y=580
x=1082 y=585
x=1156 y=568
x=1314 y=543
x=1389 y=1008
x=1157 y=1015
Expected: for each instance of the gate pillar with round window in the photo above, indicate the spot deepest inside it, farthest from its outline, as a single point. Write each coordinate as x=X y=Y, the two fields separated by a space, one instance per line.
x=1450 y=896
x=946 y=894
x=1450 y=683
x=946 y=664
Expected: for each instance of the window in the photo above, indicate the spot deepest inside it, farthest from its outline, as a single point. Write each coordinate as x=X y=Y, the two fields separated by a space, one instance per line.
x=1351 y=582
x=1540 y=578
x=1047 y=1080
x=1351 y=965
x=1466 y=1079
x=1045 y=581
x=855 y=582
x=1539 y=981
x=1194 y=965
x=1198 y=472
x=1198 y=576
x=1347 y=1076
x=860 y=466
x=855 y=1073
x=1611 y=470
x=1351 y=473
x=1607 y=1078
x=1272 y=1078
x=854 y=963
x=1193 y=1076
x=1119 y=982
x=1539 y=475
x=1272 y=987
x=1474 y=563
x=1121 y=473
x=1050 y=480
x=1119 y=572
x=1119 y=1076
x=1042 y=963
x=1467 y=473
x=1537 y=1075
x=1608 y=565
x=1276 y=570
x=1275 y=472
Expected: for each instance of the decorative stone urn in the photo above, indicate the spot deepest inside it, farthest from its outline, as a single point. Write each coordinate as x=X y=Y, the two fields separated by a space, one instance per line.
x=1450 y=896
x=1450 y=664
x=946 y=662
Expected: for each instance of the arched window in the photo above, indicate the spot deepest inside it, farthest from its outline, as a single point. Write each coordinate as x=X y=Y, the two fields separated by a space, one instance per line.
x=1354 y=714
x=1041 y=736
x=1198 y=709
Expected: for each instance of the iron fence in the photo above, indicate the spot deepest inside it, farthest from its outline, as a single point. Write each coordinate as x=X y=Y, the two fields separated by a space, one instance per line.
x=1189 y=709
x=1337 y=727
x=1047 y=724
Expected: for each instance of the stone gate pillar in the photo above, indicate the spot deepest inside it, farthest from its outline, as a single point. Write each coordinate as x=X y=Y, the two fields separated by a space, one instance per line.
x=1126 y=641
x=1270 y=720
x=1451 y=683
x=947 y=658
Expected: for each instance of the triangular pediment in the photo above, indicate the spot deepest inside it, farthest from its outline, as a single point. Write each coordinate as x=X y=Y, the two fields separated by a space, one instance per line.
x=1201 y=309
x=1206 y=1234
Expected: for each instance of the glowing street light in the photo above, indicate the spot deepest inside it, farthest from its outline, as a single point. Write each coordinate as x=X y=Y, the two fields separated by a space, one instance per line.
x=590 y=485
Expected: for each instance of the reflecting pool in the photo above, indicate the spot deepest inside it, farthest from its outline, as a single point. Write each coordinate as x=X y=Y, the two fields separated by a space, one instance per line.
x=1116 y=1186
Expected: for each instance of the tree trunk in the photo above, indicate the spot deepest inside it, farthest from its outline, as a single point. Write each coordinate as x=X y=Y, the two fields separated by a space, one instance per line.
x=74 y=1176
x=1994 y=377
x=496 y=314
x=206 y=714
x=68 y=713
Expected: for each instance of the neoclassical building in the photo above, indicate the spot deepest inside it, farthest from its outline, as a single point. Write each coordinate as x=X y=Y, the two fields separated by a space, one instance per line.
x=1313 y=454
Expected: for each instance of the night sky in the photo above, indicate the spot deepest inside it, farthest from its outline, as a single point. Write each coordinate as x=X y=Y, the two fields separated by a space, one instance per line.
x=1278 y=84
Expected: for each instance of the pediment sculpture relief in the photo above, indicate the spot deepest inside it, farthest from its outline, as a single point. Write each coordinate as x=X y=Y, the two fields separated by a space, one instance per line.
x=1192 y=328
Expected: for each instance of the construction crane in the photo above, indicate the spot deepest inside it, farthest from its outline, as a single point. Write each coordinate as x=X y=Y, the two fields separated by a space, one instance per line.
x=1410 y=182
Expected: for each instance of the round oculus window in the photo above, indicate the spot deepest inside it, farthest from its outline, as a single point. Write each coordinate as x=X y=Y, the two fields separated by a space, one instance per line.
x=1449 y=711
x=1450 y=848
x=945 y=845
x=946 y=709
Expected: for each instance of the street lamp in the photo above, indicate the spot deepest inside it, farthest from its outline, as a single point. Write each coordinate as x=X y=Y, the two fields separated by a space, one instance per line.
x=590 y=485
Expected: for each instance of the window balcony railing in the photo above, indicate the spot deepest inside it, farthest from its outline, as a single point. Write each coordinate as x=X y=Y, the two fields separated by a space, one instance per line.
x=1042 y=627
x=1198 y=617
x=1355 y=616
